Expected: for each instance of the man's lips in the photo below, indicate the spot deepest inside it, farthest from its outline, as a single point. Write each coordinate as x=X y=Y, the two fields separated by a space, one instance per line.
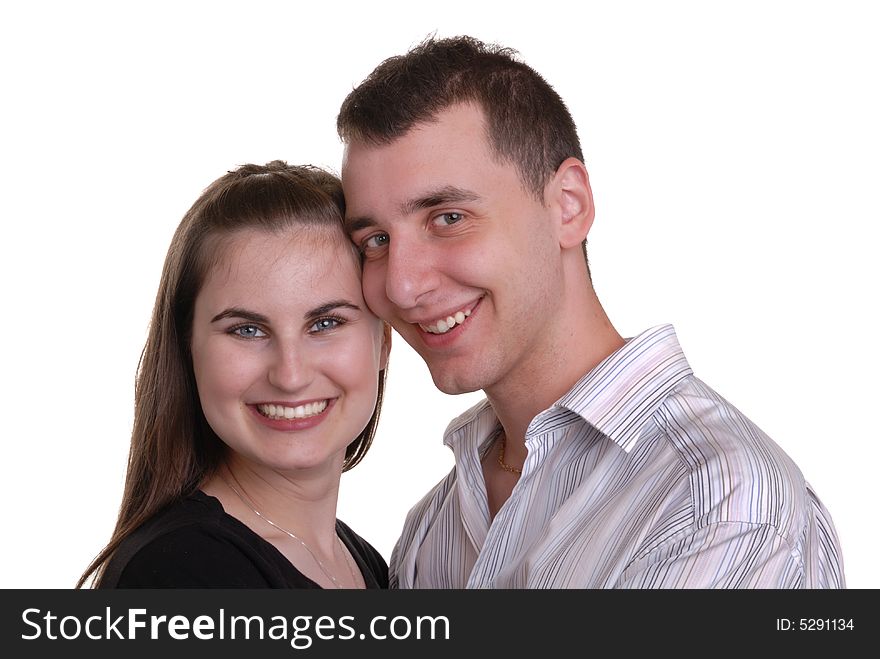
x=450 y=320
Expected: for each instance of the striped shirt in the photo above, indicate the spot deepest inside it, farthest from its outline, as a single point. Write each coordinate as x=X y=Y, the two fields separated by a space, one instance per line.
x=641 y=476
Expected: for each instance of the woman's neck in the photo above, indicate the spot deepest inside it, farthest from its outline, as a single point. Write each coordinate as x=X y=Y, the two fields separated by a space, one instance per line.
x=273 y=503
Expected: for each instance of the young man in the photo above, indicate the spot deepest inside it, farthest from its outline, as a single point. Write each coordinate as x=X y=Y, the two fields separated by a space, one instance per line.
x=595 y=462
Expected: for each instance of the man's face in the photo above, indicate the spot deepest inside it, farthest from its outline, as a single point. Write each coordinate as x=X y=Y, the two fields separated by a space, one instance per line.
x=459 y=258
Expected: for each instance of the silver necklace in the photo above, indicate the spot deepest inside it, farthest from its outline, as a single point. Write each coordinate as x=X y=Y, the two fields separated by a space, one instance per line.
x=317 y=560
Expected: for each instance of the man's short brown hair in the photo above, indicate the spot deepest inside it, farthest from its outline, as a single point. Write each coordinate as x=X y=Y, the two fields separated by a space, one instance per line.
x=528 y=124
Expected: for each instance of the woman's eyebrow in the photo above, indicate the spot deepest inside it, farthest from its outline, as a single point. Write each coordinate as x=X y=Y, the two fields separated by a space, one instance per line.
x=330 y=306
x=238 y=312
x=253 y=316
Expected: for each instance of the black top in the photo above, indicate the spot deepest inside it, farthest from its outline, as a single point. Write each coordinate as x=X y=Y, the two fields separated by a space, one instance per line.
x=195 y=544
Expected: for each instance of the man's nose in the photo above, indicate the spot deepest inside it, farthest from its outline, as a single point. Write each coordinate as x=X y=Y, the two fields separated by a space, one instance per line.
x=411 y=272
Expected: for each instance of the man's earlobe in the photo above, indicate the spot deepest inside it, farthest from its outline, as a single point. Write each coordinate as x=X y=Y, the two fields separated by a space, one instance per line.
x=572 y=193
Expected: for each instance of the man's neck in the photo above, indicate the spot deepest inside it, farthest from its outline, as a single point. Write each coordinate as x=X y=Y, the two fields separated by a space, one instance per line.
x=534 y=387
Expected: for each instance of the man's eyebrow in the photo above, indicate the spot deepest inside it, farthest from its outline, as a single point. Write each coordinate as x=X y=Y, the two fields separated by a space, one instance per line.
x=449 y=194
x=352 y=224
x=440 y=197
x=238 y=312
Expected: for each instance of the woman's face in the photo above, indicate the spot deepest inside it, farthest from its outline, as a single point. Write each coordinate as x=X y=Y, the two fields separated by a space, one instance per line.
x=285 y=352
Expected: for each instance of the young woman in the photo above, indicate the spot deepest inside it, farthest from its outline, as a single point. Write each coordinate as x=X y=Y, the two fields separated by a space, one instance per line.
x=260 y=383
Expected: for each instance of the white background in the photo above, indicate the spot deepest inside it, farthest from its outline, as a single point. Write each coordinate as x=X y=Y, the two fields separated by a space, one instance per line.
x=734 y=153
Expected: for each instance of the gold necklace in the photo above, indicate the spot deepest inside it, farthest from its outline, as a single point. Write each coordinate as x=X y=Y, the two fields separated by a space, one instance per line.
x=317 y=560
x=504 y=465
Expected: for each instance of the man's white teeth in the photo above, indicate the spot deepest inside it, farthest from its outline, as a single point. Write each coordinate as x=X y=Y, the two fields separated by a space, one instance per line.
x=298 y=412
x=445 y=324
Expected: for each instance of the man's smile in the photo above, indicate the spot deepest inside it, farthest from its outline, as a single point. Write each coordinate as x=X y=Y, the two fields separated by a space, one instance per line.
x=445 y=324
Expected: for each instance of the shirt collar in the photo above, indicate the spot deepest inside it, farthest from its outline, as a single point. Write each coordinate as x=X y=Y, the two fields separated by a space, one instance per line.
x=479 y=420
x=626 y=388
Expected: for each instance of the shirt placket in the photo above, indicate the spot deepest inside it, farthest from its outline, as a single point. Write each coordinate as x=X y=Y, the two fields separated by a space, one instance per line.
x=509 y=531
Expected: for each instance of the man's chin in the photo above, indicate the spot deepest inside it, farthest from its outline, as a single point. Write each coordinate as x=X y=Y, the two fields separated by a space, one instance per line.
x=454 y=383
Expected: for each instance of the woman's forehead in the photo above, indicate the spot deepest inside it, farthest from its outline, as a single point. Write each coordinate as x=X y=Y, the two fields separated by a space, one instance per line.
x=308 y=254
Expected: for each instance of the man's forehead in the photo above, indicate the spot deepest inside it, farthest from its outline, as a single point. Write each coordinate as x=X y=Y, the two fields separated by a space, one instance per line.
x=441 y=161
x=453 y=119
x=469 y=111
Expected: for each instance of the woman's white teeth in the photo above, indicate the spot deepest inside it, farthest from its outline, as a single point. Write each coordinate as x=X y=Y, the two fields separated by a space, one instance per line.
x=298 y=412
x=445 y=324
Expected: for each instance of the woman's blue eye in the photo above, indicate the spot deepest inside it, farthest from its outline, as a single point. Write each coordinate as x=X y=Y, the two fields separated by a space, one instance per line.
x=248 y=332
x=325 y=324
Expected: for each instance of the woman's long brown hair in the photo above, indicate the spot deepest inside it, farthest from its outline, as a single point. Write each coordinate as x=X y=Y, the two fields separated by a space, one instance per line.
x=173 y=449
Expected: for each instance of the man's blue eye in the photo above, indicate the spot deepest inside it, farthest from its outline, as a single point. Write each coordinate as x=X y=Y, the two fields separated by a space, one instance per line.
x=447 y=219
x=379 y=240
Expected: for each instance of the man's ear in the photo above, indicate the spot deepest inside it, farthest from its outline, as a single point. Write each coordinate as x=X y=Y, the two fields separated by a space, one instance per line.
x=569 y=191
